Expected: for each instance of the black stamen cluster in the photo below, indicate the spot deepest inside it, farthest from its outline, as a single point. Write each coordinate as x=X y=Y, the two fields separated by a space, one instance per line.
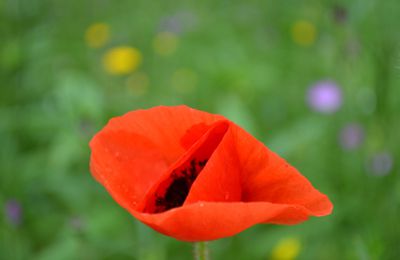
x=175 y=195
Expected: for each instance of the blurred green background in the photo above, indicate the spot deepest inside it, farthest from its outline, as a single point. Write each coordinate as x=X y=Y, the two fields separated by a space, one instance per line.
x=316 y=81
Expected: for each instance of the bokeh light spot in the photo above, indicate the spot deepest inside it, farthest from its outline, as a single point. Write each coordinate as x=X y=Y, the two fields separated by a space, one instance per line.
x=324 y=97
x=351 y=136
x=13 y=212
x=380 y=164
x=97 y=35
x=122 y=60
x=286 y=249
x=165 y=43
x=138 y=84
x=304 y=33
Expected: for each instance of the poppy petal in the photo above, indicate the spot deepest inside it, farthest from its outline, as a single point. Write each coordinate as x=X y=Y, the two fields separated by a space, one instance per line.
x=268 y=177
x=220 y=180
x=165 y=127
x=141 y=145
x=120 y=160
x=203 y=221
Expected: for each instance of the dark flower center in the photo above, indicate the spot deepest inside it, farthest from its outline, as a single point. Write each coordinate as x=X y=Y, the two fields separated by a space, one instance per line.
x=174 y=189
x=178 y=190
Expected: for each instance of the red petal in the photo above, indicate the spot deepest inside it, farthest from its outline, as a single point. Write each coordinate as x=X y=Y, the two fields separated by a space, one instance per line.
x=268 y=177
x=164 y=126
x=220 y=180
x=126 y=164
x=204 y=221
x=132 y=151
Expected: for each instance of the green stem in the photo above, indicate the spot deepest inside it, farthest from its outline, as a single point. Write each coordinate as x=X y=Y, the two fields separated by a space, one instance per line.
x=201 y=251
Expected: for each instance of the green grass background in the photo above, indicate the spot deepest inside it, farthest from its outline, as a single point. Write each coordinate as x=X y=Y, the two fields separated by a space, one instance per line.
x=55 y=95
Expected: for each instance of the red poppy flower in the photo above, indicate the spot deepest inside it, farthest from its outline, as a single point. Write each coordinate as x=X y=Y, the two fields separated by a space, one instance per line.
x=196 y=176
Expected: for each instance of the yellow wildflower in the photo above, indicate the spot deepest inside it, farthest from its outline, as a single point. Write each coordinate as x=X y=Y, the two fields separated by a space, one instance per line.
x=304 y=33
x=165 y=43
x=121 y=60
x=97 y=35
x=286 y=249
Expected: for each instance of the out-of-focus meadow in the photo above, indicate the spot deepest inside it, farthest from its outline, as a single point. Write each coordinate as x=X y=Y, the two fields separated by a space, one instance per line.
x=316 y=81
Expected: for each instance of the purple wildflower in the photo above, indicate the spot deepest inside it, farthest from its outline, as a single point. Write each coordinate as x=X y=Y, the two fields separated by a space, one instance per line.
x=13 y=212
x=325 y=97
x=76 y=223
x=171 y=24
x=380 y=164
x=339 y=14
x=178 y=23
x=351 y=136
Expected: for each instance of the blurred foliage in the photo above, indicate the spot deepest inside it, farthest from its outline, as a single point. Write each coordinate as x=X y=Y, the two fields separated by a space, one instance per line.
x=252 y=61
